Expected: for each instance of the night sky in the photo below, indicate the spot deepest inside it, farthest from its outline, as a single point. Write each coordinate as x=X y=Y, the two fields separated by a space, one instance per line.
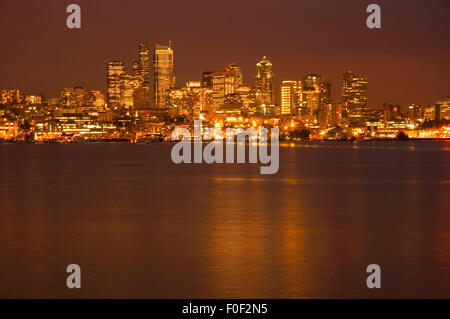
x=407 y=61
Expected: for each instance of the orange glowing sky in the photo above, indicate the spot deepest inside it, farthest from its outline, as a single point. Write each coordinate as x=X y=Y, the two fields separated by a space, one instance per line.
x=407 y=61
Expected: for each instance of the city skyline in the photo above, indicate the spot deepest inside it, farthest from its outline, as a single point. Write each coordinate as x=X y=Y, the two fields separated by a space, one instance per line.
x=130 y=109
x=232 y=156
x=144 y=74
x=389 y=58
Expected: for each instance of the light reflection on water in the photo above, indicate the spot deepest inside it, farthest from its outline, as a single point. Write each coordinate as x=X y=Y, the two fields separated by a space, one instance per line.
x=140 y=226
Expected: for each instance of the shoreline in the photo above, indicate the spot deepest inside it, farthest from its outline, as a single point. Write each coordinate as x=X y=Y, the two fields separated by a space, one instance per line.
x=130 y=141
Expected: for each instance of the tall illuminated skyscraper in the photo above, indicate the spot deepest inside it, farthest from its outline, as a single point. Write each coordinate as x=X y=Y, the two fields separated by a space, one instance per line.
x=291 y=97
x=115 y=70
x=164 y=74
x=264 y=83
x=218 y=87
x=354 y=94
x=143 y=70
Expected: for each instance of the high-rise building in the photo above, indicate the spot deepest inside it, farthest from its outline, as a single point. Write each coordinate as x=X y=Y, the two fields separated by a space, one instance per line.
x=354 y=95
x=415 y=114
x=264 y=84
x=325 y=93
x=233 y=78
x=115 y=70
x=291 y=97
x=10 y=96
x=325 y=106
x=196 y=95
x=311 y=94
x=332 y=114
x=218 y=87
x=192 y=101
x=129 y=90
x=225 y=83
x=140 y=98
x=391 y=112
x=247 y=95
x=95 y=99
x=207 y=79
x=443 y=108
x=164 y=74
x=72 y=98
x=128 y=86
x=143 y=70
x=429 y=113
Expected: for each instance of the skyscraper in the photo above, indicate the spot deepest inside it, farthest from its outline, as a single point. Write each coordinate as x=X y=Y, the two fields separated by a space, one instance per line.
x=354 y=95
x=415 y=114
x=226 y=83
x=115 y=70
x=143 y=70
x=164 y=74
x=325 y=106
x=325 y=93
x=129 y=84
x=311 y=94
x=218 y=86
x=72 y=97
x=193 y=101
x=291 y=97
x=443 y=107
x=233 y=80
x=264 y=83
x=207 y=79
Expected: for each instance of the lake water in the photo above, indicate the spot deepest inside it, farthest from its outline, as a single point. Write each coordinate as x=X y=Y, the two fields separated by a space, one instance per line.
x=142 y=227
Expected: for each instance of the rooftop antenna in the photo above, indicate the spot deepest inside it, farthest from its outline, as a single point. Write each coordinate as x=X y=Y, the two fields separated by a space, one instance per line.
x=170 y=44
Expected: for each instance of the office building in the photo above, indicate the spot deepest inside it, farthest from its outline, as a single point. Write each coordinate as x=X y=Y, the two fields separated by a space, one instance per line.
x=164 y=75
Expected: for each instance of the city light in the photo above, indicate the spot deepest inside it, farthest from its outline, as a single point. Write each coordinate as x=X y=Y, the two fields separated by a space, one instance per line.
x=220 y=99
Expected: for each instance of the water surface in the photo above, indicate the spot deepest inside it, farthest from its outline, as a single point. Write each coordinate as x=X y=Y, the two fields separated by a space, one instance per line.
x=143 y=227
